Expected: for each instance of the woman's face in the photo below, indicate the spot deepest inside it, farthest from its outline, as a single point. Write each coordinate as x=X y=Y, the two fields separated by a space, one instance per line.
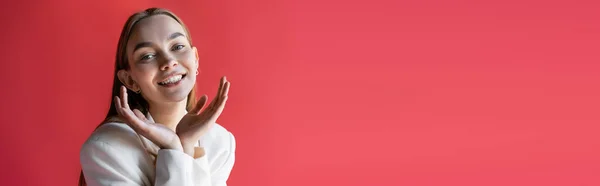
x=163 y=63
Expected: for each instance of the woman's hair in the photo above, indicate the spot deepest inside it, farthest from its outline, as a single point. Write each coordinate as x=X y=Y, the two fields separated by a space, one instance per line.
x=136 y=101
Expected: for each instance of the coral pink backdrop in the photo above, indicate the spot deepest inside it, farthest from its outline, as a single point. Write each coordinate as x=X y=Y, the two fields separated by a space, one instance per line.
x=327 y=92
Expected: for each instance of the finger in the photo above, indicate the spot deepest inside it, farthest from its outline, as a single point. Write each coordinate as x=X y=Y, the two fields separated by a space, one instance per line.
x=127 y=114
x=223 y=82
x=150 y=119
x=130 y=117
x=216 y=99
x=121 y=95
x=220 y=91
x=140 y=115
x=117 y=101
x=125 y=103
x=215 y=112
x=219 y=106
x=134 y=122
x=199 y=105
x=118 y=105
x=226 y=88
x=223 y=98
x=219 y=109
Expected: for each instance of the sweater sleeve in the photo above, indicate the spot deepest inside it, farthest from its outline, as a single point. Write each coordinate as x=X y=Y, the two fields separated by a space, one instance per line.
x=218 y=173
x=174 y=168
x=221 y=174
x=177 y=168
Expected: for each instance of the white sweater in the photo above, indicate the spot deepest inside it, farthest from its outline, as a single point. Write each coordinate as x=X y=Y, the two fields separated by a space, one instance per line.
x=116 y=155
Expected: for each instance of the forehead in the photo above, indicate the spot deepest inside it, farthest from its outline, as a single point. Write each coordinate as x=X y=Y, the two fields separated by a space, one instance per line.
x=155 y=28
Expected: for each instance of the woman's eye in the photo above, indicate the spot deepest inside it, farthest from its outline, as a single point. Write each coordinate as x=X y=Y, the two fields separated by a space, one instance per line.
x=178 y=47
x=148 y=56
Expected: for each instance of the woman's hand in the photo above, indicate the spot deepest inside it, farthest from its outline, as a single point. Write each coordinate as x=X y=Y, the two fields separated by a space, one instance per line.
x=161 y=135
x=195 y=123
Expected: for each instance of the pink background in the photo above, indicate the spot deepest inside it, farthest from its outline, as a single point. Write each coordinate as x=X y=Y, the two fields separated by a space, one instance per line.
x=429 y=92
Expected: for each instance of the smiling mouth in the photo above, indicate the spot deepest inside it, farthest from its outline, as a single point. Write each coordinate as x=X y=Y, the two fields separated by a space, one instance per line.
x=173 y=80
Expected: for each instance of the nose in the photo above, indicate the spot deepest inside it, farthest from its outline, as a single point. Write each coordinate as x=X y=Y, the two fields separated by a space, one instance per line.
x=169 y=63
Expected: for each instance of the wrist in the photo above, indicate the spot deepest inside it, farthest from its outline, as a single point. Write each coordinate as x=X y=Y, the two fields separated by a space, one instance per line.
x=187 y=147
x=175 y=145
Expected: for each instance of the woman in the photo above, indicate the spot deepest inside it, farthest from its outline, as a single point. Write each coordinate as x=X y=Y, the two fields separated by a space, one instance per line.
x=155 y=133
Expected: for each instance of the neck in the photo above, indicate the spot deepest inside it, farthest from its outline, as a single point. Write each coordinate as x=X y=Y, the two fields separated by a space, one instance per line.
x=168 y=114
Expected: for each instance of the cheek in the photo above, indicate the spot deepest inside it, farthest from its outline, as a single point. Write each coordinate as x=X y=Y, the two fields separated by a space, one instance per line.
x=145 y=76
x=187 y=59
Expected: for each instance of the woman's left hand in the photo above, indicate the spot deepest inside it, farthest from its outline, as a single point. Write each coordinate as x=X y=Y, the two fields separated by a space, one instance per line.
x=195 y=123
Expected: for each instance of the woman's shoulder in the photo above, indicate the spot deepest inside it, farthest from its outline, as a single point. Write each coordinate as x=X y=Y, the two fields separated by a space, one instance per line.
x=114 y=134
x=114 y=148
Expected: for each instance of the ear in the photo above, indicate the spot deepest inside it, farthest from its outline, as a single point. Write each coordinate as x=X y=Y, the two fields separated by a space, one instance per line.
x=197 y=56
x=197 y=60
x=126 y=79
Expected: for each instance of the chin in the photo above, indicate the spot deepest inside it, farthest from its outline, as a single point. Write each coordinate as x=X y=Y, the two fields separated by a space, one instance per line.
x=175 y=98
x=177 y=94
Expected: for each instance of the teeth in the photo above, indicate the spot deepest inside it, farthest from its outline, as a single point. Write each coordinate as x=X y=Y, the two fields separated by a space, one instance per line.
x=172 y=79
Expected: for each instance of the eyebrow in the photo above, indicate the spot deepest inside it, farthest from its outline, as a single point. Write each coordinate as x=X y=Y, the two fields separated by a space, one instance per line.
x=141 y=45
x=147 y=44
x=175 y=35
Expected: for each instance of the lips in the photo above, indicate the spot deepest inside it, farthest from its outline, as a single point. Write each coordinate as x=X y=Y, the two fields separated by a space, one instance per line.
x=172 y=79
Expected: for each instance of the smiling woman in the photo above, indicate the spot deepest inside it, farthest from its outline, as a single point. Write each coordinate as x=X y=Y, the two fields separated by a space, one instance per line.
x=155 y=132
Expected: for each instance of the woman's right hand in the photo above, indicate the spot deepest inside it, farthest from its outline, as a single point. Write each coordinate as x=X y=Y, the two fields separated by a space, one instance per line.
x=158 y=133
